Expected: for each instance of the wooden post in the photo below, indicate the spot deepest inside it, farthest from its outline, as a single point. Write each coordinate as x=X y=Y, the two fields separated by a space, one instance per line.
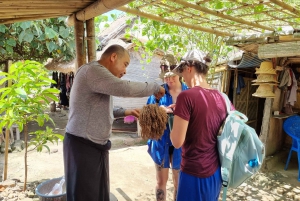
x=264 y=133
x=79 y=42
x=91 y=44
x=235 y=81
x=228 y=78
x=8 y=63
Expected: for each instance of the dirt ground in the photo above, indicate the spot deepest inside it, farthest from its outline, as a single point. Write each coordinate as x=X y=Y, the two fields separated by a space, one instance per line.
x=132 y=173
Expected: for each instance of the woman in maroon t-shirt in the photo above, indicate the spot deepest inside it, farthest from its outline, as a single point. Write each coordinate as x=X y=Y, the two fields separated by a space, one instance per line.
x=199 y=113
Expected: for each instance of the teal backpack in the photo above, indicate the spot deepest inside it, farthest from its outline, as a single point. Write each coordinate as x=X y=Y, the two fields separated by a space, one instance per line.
x=241 y=152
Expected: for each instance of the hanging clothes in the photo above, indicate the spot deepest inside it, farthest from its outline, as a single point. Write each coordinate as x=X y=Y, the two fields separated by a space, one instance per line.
x=64 y=101
x=293 y=90
x=55 y=78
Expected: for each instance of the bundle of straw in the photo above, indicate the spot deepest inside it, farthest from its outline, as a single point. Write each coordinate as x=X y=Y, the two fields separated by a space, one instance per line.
x=153 y=120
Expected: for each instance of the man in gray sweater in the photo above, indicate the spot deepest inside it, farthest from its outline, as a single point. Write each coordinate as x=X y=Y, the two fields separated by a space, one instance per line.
x=91 y=115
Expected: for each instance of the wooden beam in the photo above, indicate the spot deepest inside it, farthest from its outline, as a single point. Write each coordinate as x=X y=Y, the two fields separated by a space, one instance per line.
x=79 y=43
x=96 y=9
x=35 y=16
x=9 y=21
x=221 y=15
x=32 y=10
x=91 y=43
x=160 y=19
x=99 y=7
x=286 y=6
x=41 y=4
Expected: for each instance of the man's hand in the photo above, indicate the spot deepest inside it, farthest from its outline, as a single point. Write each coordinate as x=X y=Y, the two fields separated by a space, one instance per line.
x=160 y=93
x=133 y=112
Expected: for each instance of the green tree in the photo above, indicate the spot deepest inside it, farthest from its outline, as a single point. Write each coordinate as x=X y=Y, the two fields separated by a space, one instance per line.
x=37 y=40
x=25 y=101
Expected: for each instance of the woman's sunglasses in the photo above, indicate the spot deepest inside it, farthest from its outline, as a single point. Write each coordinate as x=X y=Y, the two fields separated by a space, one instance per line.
x=165 y=68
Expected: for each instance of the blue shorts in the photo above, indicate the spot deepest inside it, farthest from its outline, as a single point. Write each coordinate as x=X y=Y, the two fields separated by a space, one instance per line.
x=200 y=189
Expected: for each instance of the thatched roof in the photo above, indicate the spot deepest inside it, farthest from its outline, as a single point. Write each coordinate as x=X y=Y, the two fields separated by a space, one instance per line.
x=12 y=11
x=224 y=18
x=63 y=67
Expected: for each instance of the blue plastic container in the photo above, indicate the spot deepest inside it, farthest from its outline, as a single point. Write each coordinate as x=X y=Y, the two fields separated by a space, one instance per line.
x=44 y=188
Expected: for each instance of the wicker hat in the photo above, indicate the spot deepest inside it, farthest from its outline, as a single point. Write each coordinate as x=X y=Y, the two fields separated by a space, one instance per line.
x=168 y=61
x=264 y=91
x=269 y=83
x=266 y=67
x=266 y=78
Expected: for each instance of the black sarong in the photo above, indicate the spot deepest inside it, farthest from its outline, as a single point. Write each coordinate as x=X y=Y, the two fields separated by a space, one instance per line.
x=86 y=169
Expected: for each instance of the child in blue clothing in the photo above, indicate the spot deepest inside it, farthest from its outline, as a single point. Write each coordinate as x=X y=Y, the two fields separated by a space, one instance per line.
x=162 y=151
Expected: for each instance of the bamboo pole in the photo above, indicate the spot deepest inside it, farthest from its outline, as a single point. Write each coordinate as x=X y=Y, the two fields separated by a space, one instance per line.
x=91 y=44
x=160 y=19
x=98 y=8
x=80 y=44
x=8 y=64
x=62 y=9
x=235 y=86
x=221 y=15
x=286 y=6
x=9 y=21
x=229 y=74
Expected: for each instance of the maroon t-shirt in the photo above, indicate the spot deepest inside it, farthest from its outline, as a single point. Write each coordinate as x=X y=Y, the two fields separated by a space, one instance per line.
x=205 y=109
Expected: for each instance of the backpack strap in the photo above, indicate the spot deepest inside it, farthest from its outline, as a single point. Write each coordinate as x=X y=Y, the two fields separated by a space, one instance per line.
x=243 y=117
x=227 y=101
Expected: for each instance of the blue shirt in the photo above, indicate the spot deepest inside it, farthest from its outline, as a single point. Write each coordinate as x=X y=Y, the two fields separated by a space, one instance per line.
x=159 y=149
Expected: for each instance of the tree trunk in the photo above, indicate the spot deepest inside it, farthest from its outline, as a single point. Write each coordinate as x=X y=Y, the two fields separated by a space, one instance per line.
x=6 y=152
x=7 y=65
x=25 y=155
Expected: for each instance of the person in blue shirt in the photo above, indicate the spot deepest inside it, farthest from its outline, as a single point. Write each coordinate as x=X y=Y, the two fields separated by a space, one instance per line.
x=163 y=153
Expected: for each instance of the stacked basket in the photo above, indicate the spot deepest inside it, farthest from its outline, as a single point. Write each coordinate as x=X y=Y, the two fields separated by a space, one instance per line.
x=266 y=79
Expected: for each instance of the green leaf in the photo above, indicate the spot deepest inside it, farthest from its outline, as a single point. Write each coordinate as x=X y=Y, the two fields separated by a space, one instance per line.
x=2 y=51
x=64 y=32
x=144 y=20
x=259 y=8
x=9 y=49
x=51 y=96
x=11 y=42
x=21 y=36
x=4 y=80
x=113 y=16
x=156 y=25
x=20 y=91
x=219 y=5
x=25 y=25
x=51 y=46
x=4 y=94
x=51 y=90
x=28 y=36
x=50 y=33
x=59 y=136
x=2 y=28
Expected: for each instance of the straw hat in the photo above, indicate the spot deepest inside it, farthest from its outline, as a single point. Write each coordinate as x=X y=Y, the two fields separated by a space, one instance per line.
x=266 y=67
x=266 y=78
x=262 y=83
x=167 y=60
x=264 y=91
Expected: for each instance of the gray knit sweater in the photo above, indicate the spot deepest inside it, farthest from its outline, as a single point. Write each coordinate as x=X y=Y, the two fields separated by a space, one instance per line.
x=91 y=107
